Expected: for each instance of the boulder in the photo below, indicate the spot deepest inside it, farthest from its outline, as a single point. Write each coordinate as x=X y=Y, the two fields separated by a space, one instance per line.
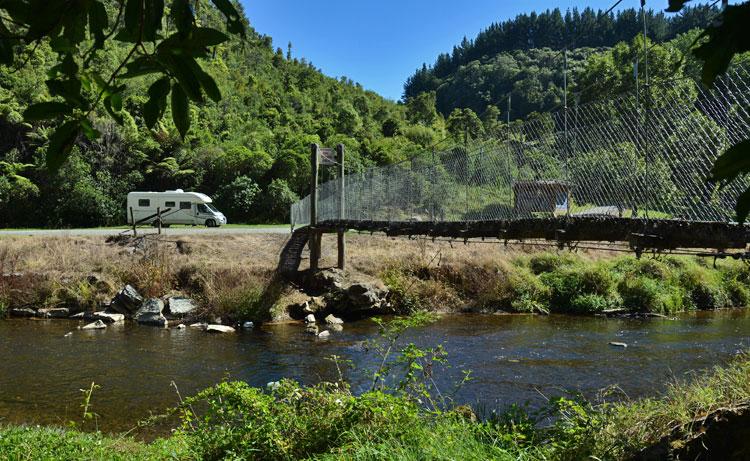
x=324 y=334
x=127 y=301
x=327 y=280
x=181 y=307
x=337 y=327
x=53 y=312
x=219 y=329
x=108 y=317
x=331 y=320
x=22 y=312
x=150 y=313
x=248 y=325
x=98 y=325
x=310 y=318
x=199 y=326
x=367 y=295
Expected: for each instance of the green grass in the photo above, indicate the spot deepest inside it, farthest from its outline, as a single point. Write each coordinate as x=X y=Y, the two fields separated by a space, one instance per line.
x=235 y=421
x=568 y=283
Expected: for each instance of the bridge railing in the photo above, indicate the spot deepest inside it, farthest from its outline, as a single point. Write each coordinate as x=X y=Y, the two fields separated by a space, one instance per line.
x=642 y=155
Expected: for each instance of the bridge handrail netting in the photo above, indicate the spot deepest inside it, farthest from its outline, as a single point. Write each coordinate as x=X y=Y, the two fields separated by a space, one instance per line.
x=631 y=156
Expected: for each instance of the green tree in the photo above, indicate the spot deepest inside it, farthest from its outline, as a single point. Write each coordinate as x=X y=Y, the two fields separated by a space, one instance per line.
x=238 y=199
x=464 y=125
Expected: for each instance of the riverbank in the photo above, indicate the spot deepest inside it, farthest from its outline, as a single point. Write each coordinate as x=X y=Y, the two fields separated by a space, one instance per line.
x=286 y=421
x=232 y=278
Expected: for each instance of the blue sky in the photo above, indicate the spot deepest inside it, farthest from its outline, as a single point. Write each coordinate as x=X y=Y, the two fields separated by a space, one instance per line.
x=379 y=43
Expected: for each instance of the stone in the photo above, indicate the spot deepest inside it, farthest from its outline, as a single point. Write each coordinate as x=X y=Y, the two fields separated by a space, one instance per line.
x=616 y=344
x=310 y=318
x=53 y=312
x=331 y=320
x=324 y=334
x=366 y=295
x=181 y=326
x=315 y=304
x=68 y=334
x=98 y=325
x=181 y=307
x=248 y=325
x=311 y=329
x=108 y=317
x=22 y=312
x=79 y=316
x=219 y=329
x=199 y=326
x=127 y=301
x=337 y=327
x=150 y=313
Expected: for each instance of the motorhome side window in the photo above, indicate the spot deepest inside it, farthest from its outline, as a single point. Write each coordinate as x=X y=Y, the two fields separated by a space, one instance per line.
x=144 y=202
x=186 y=205
x=202 y=208
x=170 y=204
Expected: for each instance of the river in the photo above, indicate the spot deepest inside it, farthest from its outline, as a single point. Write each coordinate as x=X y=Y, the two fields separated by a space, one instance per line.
x=513 y=359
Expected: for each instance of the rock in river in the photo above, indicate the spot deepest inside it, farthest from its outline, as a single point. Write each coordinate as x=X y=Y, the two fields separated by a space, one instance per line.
x=150 y=313
x=324 y=334
x=98 y=325
x=22 y=312
x=616 y=344
x=180 y=307
x=310 y=318
x=331 y=320
x=108 y=317
x=219 y=329
x=127 y=301
x=53 y=312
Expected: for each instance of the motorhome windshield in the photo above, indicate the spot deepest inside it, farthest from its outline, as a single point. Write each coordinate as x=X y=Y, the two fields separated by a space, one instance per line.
x=207 y=208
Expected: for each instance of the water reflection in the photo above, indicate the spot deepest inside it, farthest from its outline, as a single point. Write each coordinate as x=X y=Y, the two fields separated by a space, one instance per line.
x=513 y=359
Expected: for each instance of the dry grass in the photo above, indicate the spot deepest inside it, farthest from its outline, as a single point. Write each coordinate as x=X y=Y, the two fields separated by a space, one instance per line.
x=235 y=273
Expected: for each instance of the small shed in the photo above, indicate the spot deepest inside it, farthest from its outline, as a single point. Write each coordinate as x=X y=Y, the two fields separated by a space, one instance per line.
x=547 y=196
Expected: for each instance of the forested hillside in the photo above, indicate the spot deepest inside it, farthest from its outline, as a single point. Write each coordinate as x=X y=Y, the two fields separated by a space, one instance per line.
x=522 y=57
x=249 y=151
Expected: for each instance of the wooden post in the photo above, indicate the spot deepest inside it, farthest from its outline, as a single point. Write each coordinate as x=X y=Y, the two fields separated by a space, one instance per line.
x=132 y=220
x=158 y=217
x=342 y=207
x=315 y=240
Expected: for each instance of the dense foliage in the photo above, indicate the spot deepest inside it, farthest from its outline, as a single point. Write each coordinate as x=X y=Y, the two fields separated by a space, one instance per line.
x=523 y=57
x=273 y=106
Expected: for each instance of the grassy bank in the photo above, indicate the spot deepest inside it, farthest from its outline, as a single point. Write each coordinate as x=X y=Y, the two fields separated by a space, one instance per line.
x=233 y=276
x=572 y=284
x=235 y=421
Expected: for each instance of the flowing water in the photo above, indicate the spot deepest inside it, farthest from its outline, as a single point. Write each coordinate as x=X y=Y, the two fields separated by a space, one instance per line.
x=513 y=359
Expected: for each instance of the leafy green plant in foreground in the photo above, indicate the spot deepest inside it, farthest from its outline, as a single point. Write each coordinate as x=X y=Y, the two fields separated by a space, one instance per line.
x=79 y=82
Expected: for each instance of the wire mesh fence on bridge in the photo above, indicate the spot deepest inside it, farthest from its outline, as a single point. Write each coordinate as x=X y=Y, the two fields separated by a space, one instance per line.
x=608 y=158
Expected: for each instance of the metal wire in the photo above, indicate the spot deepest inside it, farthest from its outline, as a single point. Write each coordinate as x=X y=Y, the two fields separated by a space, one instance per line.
x=615 y=159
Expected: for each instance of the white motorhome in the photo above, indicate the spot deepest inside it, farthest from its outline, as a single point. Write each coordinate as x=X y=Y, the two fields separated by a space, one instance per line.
x=175 y=207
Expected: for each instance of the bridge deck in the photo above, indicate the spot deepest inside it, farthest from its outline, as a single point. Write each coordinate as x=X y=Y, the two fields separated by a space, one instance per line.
x=661 y=234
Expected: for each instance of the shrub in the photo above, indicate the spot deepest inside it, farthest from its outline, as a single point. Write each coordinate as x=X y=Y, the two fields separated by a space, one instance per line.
x=238 y=198
x=548 y=262
x=703 y=288
x=643 y=294
x=277 y=200
x=568 y=283
x=589 y=304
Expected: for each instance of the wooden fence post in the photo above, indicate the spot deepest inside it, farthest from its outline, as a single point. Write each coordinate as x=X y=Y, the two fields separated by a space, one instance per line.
x=315 y=240
x=158 y=217
x=342 y=207
x=132 y=219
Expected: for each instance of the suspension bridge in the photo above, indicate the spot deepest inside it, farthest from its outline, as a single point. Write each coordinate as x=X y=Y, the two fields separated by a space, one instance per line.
x=633 y=169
